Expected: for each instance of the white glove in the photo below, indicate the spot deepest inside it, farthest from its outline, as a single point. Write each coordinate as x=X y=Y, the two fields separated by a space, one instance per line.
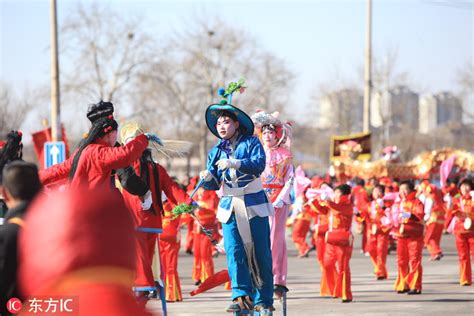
x=405 y=215
x=380 y=202
x=147 y=201
x=205 y=175
x=224 y=164
x=278 y=204
x=324 y=197
x=472 y=195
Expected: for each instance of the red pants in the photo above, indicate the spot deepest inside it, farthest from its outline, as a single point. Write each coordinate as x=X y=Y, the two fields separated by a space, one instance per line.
x=341 y=287
x=433 y=234
x=363 y=245
x=326 y=286
x=169 y=259
x=465 y=244
x=203 y=264
x=410 y=271
x=300 y=230
x=145 y=249
x=378 y=249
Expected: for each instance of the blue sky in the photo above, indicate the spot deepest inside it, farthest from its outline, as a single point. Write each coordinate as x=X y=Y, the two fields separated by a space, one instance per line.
x=314 y=37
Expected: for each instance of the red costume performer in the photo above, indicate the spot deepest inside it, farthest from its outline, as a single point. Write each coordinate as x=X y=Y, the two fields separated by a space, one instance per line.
x=148 y=218
x=379 y=221
x=92 y=164
x=435 y=213
x=410 y=241
x=361 y=202
x=463 y=214
x=188 y=221
x=206 y=214
x=88 y=257
x=339 y=242
x=169 y=250
x=301 y=225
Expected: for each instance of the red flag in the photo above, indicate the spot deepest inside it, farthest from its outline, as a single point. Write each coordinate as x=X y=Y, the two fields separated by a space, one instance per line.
x=43 y=136
x=211 y=282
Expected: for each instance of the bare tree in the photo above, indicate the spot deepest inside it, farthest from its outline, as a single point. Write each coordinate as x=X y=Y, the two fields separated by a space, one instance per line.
x=106 y=50
x=183 y=81
x=465 y=81
x=13 y=110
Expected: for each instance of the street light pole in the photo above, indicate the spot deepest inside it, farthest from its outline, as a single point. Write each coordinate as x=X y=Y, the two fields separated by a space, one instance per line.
x=55 y=101
x=368 y=68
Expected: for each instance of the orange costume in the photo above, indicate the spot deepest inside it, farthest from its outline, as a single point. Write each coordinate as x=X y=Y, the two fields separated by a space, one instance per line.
x=463 y=213
x=361 y=202
x=379 y=222
x=206 y=214
x=321 y=228
x=301 y=225
x=434 y=217
x=340 y=220
x=410 y=245
x=169 y=250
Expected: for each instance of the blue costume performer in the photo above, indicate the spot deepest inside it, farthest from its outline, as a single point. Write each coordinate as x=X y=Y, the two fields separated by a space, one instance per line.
x=235 y=164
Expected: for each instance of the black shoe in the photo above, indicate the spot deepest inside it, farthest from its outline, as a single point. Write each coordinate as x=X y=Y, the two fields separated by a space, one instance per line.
x=346 y=301
x=278 y=290
x=189 y=251
x=381 y=278
x=414 y=292
x=198 y=282
x=402 y=292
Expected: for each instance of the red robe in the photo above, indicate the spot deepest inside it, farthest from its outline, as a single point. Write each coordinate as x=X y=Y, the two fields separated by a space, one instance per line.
x=340 y=219
x=410 y=246
x=463 y=207
x=96 y=164
x=146 y=241
x=361 y=202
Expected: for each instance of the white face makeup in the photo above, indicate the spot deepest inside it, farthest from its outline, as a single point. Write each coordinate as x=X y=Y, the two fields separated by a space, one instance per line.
x=226 y=127
x=269 y=138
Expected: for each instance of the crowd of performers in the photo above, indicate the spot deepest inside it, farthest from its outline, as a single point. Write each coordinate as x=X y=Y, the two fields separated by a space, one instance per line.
x=245 y=201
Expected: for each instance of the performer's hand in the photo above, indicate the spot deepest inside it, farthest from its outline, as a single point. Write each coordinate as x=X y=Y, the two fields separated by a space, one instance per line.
x=405 y=215
x=205 y=175
x=324 y=197
x=380 y=202
x=147 y=201
x=154 y=138
x=278 y=204
x=472 y=195
x=224 y=164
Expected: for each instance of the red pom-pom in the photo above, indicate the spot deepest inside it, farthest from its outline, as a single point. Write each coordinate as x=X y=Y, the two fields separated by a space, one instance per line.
x=20 y=133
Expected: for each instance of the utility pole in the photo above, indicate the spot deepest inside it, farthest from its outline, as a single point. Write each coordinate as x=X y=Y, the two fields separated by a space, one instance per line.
x=368 y=68
x=55 y=101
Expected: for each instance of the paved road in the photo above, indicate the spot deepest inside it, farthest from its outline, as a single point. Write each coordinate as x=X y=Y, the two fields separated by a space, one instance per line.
x=442 y=294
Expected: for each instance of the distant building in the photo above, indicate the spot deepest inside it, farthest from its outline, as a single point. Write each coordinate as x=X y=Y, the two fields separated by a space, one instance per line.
x=341 y=111
x=437 y=110
x=394 y=110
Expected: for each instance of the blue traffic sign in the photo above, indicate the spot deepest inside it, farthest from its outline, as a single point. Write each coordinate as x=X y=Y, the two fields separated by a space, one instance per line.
x=54 y=153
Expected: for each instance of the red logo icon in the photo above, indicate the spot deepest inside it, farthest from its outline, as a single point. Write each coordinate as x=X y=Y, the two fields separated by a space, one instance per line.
x=14 y=305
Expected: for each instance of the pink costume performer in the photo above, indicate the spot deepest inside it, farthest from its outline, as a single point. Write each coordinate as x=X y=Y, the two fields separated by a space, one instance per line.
x=277 y=181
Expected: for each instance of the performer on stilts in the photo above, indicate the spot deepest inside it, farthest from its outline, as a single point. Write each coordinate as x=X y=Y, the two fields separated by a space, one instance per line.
x=236 y=164
x=278 y=181
x=148 y=214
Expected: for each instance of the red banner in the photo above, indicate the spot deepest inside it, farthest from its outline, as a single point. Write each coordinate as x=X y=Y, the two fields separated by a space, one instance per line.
x=43 y=136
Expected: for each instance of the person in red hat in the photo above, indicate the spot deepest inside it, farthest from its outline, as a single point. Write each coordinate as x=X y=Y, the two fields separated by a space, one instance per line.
x=361 y=202
x=463 y=215
x=338 y=241
x=86 y=262
x=410 y=241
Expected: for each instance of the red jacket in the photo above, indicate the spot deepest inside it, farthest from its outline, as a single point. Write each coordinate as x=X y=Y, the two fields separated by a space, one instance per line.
x=172 y=191
x=415 y=207
x=95 y=166
x=341 y=213
x=360 y=198
x=463 y=207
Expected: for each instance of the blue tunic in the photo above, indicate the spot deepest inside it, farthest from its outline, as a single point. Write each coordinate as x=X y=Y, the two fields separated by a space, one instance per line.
x=251 y=154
